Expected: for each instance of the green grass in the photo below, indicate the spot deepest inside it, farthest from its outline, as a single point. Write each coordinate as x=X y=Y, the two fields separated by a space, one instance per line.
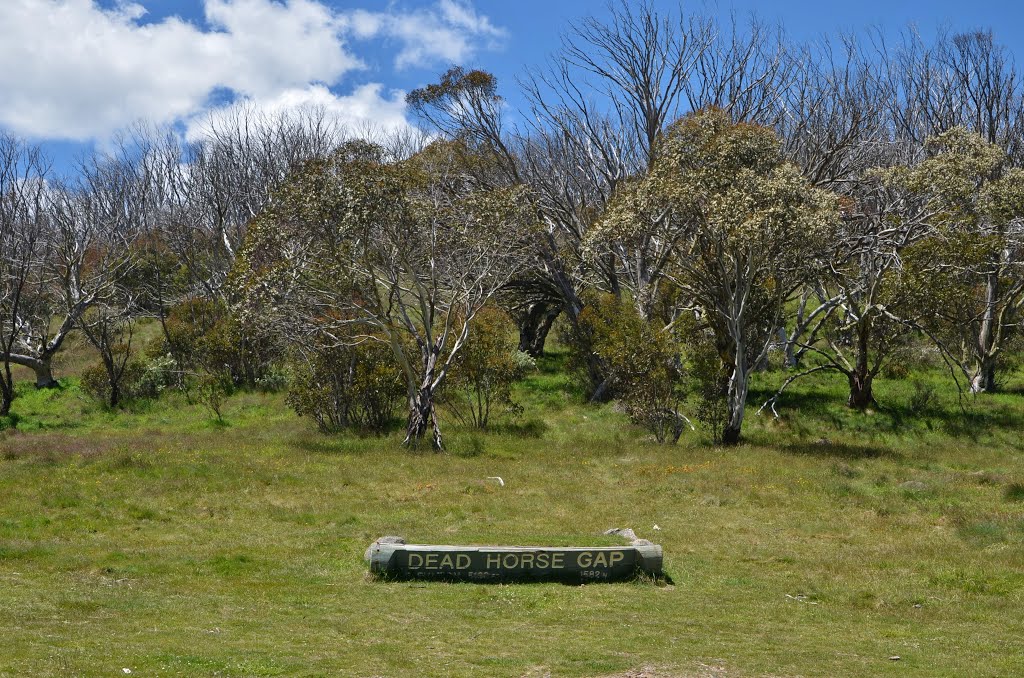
x=163 y=542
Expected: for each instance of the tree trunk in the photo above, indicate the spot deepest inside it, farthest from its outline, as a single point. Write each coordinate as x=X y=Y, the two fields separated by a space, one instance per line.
x=573 y=306
x=787 y=345
x=984 y=379
x=737 y=400
x=422 y=415
x=534 y=327
x=42 y=366
x=115 y=392
x=861 y=396
x=113 y=379
x=6 y=391
x=44 y=373
x=860 y=378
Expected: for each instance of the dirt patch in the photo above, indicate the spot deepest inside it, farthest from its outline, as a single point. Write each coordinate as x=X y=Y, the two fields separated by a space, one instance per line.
x=53 y=447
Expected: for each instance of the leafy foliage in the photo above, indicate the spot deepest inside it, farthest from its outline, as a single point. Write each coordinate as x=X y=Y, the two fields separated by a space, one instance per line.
x=407 y=252
x=347 y=387
x=207 y=339
x=644 y=364
x=486 y=368
x=747 y=229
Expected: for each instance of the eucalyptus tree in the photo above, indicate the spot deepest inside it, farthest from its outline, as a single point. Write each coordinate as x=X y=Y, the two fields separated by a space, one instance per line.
x=357 y=247
x=961 y=80
x=92 y=227
x=227 y=175
x=870 y=298
x=861 y=308
x=747 y=228
x=599 y=110
x=747 y=69
x=23 y=171
x=976 y=200
x=970 y=82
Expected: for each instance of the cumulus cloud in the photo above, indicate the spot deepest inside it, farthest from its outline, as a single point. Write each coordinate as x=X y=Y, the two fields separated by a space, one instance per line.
x=447 y=32
x=367 y=109
x=72 y=69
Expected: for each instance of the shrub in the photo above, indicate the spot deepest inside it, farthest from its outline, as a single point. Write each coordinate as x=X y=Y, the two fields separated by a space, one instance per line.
x=924 y=398
x=98 y=382
x=485 y=369
x=213 y=388
x=583 y=363
x=159 y=373
x=343 y=387
x=710 y=384
x=205 y=338
x=1014 y=492
x=643 y=362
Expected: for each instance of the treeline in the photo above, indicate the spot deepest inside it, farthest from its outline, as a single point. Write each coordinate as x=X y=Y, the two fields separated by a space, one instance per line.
x=684 y=198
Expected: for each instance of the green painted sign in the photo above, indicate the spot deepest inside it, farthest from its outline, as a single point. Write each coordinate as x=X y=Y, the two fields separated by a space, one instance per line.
x=513 y=563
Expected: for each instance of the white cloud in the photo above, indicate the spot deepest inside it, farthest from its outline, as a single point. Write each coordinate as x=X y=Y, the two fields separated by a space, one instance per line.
x=450 y=32
x=366 y=109
x=71 y=69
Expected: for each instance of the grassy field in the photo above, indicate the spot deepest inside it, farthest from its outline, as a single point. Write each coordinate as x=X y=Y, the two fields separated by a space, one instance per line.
x=160 y=541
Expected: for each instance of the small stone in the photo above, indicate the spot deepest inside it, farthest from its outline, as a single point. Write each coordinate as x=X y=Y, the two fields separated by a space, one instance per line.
x=894 y=658
x=627 y=534
x=382 y=540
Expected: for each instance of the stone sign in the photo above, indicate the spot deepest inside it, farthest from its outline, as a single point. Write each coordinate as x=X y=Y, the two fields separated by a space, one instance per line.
x=513 y=563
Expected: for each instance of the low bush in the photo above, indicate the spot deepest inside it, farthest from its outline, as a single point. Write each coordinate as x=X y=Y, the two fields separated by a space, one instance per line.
x=485 y=369
x=347 y=387
x=643 y=363
x=206 y=339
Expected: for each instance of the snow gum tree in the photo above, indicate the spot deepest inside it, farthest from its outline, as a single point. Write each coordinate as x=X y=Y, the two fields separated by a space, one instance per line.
x=358 y=248
x=976 y=205
x=22 y=244
x=745 y=228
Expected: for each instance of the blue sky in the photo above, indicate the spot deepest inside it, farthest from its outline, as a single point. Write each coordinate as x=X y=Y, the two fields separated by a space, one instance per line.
x=72 y=72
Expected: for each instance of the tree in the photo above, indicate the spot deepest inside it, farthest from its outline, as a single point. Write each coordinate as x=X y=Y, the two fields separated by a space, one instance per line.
x=234 y=165
x=22 y=241
x=645 y=365
x=345 y=387
x=976 y=202
x=574 y=152
x=869 y=302
x=358 y=248
x=747 y=226
x=962 y=80
x=110 y=330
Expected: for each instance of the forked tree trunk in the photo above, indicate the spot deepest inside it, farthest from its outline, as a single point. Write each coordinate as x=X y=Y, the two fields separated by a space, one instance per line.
x=44 y=374
x=984 y=379
x=861 y=396
x=42 y=366
x=423 y=415
x=534 y=328
x=861 y=378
